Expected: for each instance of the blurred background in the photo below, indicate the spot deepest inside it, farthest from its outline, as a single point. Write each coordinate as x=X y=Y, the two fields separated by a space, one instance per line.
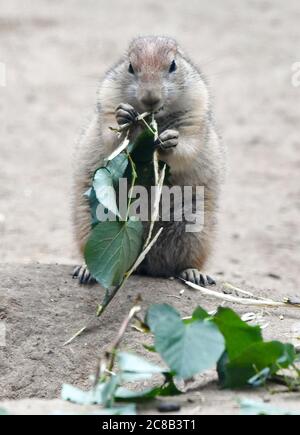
x=53 y=52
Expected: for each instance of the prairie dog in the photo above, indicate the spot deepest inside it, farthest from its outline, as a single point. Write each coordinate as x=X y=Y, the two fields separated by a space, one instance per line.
x=156 y=76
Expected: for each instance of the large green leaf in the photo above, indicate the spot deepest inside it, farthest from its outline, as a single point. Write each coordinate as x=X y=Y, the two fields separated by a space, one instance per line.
x=256 y=358
x=112 y=249
x=188 y=349
x=238 y=334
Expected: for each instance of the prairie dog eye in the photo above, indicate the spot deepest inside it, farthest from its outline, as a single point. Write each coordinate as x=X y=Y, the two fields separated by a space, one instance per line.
x=130 y=69
x=173 y=67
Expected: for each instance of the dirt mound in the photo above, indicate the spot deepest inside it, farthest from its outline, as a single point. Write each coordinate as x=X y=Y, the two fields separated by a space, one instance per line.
x=43 y=307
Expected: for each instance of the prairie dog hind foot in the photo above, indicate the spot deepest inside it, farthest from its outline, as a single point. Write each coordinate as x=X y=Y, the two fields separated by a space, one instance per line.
x=196 y=277
x=83 y=275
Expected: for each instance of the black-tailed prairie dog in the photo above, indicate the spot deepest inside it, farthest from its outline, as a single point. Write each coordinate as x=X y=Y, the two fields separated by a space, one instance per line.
x=156 y=76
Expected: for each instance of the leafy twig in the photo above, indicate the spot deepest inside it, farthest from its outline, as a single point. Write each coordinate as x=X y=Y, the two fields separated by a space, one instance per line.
x=159 y=181
x=159 y=177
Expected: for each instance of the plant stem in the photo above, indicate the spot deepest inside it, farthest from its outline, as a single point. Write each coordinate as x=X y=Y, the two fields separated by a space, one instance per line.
x=134 y=178
x=112 y=353
x=75 y=336
x=108 y=298
x=105 y=365
x=128 y=125
x=239 y=300
x=151 y=130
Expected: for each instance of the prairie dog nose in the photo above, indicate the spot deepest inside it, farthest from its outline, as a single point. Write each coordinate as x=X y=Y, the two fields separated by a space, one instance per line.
x=151 y=99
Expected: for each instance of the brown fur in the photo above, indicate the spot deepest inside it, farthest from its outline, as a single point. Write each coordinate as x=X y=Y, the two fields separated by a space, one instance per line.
x=196 y=160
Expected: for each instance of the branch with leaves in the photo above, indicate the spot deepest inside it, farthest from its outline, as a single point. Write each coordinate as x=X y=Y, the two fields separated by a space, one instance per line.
x=134 y=251
x=115 y=249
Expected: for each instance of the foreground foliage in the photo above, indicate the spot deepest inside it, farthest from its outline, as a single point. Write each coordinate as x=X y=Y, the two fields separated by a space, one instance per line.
x=186 y=348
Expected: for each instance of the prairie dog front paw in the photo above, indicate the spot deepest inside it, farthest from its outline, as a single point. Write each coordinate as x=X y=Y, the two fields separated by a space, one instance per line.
x=167 y=140
x=125 y=114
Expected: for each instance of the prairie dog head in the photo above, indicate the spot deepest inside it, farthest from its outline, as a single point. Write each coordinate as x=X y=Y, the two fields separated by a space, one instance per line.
x=157 y=77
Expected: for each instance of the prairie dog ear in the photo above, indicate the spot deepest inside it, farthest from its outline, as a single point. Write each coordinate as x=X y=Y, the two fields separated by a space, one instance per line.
x=180 y=52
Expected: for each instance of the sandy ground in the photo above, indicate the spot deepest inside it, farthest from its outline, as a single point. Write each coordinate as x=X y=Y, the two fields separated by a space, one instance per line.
x=54 y=53
x=43 y=307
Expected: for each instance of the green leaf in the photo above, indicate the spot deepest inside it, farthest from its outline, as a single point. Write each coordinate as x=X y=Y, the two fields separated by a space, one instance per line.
x=135 y=377
x=112 y=249
x=142 y=154
x=123 y=393
x=102 y=394
x=221 y=369
x=128 y=362
x=161 y=314
x=75 y=395
x=200 y=314
x=237 y=372
x=248 y=360
x=109 y=390
x=91 y=195
x=143 y=148
x=238 y=334
x=167 y=389
x=117 y=167
x=253 y=407
x=186 y=348
x=104 y=189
